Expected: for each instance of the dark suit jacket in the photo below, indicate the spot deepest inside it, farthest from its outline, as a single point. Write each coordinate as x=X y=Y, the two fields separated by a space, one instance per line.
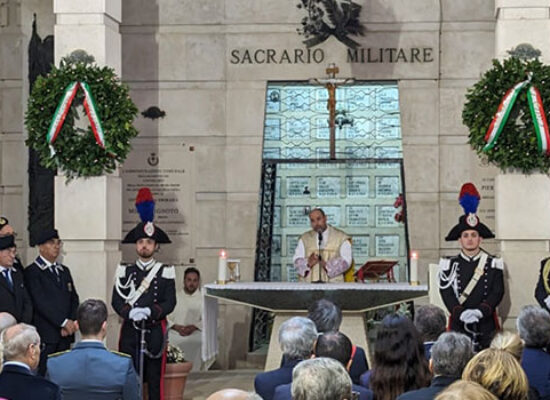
x=438 y=384
x=266 y=382
x=284 y=392
x=18 y=383
x=359 y=365
x=53 y=301
x=17 y=302
x=536 y=364
x=109 y=376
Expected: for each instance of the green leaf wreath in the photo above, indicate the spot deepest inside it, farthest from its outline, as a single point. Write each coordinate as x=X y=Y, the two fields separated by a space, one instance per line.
x=516 y=147
x=75 y=151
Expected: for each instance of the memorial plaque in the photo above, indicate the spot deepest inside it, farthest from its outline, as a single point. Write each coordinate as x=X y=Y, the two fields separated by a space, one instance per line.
x=272 y=129
x=275 y=273
x=387 y=186
x=323 y=153
x=358 y=152
x=388 y=152
x=295 y=216
x=297 y=99
x=359 y=98
x=387 y=99
x=167 y=173
x=278 y=187
x=296 y=185
x=333 y=215
x=328 y=186
x=277 y=216
x=322 y=128
x=297 y=130
x=357 y=215
x=388 y=128
x=271 y=152
x=357 y=186
x=387 y=245
x=291 y=273
x=273 y=101
x=360 y=246
x=297 y=153
x=291 y=244
x=276 y=246
x=385 y=216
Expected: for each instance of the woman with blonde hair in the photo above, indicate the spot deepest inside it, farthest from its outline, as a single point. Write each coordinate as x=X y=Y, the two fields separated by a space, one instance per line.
x=499 y=372
x=510 y=342
x=465 y=390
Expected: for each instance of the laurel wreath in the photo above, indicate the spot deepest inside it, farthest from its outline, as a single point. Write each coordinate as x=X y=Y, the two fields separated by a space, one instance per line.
x=516 y=147
x=76 y=152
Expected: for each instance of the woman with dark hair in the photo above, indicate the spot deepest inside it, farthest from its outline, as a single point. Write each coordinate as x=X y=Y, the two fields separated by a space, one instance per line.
x=399 y=361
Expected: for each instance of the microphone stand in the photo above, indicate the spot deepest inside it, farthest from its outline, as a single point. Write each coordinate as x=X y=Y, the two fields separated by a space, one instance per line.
x=320 y=280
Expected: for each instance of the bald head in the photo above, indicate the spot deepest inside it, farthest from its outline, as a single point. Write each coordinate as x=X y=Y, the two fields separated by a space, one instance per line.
x=21 y=343
x=6 y=320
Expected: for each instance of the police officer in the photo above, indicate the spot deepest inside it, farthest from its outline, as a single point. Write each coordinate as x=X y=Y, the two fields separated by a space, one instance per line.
x=54 y=297
x=471 y=284
x=143 y=295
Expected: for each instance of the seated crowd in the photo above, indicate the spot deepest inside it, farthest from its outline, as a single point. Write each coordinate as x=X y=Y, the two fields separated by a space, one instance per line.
x=317 y=364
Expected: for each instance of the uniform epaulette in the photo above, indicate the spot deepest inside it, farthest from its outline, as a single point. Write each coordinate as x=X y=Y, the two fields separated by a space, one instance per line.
x=118 y=353
x=58 y=353
x=444 y=263
x=168 y=272
x=121 y=270
x=497 y=263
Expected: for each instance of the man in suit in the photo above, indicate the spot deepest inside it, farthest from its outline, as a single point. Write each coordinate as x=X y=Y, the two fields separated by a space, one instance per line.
x=109 y=375
x=21 y=344
x=327 y=317
x=14 y=298
x=334 y=345
x=450 y=354
x=54 y=297
x=296 y=338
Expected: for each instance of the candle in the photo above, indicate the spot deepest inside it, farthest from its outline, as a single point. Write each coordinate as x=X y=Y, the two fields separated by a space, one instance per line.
x=413 y=273
x=222 y=267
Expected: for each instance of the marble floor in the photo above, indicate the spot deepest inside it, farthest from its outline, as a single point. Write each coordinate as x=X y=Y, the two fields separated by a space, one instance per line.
x=200 y=385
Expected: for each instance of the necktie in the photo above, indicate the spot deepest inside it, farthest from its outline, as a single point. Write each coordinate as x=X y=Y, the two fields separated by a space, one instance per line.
x=55 y=273
x=6 y=273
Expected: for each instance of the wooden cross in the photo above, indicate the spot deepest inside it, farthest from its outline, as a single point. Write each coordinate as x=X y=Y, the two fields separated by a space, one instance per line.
x=331 y=83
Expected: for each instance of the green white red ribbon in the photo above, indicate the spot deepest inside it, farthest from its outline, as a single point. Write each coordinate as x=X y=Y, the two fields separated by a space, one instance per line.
x=63 y=109
x=503 y=112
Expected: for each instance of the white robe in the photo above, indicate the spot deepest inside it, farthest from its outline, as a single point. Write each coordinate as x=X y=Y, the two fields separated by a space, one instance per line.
x=188 y=311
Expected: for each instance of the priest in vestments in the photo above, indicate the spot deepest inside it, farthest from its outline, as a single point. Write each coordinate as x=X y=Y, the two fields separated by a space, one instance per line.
x=185 y=322
x=324 y=247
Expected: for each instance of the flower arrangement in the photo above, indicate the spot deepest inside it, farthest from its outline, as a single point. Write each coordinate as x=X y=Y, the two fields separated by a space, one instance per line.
x=174 y=355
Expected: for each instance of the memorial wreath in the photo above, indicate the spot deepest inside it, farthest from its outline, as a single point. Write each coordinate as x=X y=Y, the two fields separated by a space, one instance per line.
x=52 y=109
x=505 y=112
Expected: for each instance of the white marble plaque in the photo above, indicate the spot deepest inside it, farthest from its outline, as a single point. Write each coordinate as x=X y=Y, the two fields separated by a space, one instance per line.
x=295 y=216
x=388 y=128
x=357 y=186
x=387 y=186
x=277 y=216
x=360 y=246
x=271 y=152
x=296 y=185
x=272 y=129
x=291 y=274
x=385 y=216
x=333 y=215
x=273 y=101
x=357 y=215
x=297 y=129
x=275 y=273
x=322 y=128
x=296 y=99
x=387 y=245
x=387 y=99
x=328 y=186
x=362 y=129
x=276 y=246
x=291 y=244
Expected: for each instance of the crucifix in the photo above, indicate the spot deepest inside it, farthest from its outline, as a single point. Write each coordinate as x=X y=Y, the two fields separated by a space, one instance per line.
x=331 y=83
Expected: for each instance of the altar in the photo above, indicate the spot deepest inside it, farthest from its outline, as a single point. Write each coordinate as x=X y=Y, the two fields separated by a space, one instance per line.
x=289 y=299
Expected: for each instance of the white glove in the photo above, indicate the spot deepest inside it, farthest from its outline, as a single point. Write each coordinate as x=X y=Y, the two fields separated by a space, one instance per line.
x=471 y=316
x=547 y=301
x=139 y=313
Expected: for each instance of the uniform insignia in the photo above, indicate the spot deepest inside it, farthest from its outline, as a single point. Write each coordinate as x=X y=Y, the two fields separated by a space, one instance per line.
x=497 y=263
x=3 y=221
x=149 y=229
x=58 y=353
x=169 y=272
x=472 y=220
x=69 y=287
x=118 y=353
x=444 y=264
x=121 y=271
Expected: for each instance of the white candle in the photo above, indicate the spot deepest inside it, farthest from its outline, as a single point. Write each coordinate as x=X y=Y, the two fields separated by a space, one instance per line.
x=413 y=278
x=222 y=267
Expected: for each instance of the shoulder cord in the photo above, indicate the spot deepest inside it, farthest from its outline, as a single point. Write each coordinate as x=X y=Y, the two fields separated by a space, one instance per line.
x=445 y=281
x=119 y=286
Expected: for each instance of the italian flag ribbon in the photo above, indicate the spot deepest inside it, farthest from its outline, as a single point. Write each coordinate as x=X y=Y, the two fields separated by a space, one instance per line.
x=537 y=113
x=63 y=109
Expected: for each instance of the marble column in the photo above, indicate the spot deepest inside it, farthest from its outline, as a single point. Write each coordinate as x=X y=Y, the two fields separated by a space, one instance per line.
x=522 y=202
x=88 y=212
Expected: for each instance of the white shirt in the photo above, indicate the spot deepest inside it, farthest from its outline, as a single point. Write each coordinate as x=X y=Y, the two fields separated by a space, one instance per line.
x=17 y=363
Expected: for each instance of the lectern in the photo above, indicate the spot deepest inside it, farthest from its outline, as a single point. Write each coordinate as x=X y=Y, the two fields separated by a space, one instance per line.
x=289 y=299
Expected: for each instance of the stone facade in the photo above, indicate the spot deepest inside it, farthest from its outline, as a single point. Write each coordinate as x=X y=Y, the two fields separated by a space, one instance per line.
x=178 y=55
